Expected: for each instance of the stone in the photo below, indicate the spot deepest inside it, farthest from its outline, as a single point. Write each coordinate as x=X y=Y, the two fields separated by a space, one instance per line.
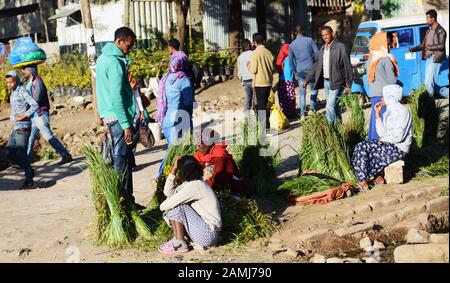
x=439 y=238
x=418 y=193
x=364 y=243
x=371 y=260
x=354 y=229
x=378 y=245
x=318 y=258
x=390 y=201
x=362 y=208
x=411 y=211
x=393 y=174
x=424 y=253
x=67 y=137
x=438 y=205
x=88 y=106
x=292 y=252
x=416 y=236
x=388 y=219
x=334 y=260
x=434 y=223
x=313 y=236
x=351 y=260
x=78 y=100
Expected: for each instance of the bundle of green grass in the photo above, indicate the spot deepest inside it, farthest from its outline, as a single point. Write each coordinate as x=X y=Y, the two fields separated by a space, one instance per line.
x=323 y=150
x=353 y=130
x=117 y=223
x=425 y=116
x=256 y=159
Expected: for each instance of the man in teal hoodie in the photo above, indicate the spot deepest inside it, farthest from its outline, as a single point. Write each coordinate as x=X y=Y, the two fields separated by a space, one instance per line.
x=115 y=102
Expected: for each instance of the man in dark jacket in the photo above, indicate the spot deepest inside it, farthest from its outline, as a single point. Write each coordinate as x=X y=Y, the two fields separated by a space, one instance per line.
x=333 y=72
x=433 y=51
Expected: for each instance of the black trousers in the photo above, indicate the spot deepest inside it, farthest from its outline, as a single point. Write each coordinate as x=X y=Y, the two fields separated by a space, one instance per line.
x=262 y=96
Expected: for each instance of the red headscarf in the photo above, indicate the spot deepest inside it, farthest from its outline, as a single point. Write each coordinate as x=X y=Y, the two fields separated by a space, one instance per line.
x=283 y=54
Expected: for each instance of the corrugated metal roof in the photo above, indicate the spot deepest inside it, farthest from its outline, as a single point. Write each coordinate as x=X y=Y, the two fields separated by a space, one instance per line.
x=215 y=24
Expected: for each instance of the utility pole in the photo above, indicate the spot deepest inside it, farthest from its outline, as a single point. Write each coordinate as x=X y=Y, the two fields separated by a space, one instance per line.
x=90 y=45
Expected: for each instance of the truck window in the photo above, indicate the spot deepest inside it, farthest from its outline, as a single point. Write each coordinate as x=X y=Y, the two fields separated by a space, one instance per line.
x=361 y=45
x=405 y=37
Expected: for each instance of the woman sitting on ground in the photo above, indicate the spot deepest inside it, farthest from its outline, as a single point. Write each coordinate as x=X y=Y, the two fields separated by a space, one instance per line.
x=395 y=130
x=191 y=208
x=223 y=171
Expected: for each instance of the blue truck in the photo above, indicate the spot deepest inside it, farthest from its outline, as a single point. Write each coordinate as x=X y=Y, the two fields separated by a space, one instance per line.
x=410 y=32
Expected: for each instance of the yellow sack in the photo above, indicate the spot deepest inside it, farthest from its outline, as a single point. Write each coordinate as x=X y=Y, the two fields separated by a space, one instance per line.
x=270 y=100
x=277 y=119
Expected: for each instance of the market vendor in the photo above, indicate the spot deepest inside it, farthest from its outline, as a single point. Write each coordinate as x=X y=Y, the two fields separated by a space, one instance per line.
x=224 y=172
x=395 y=131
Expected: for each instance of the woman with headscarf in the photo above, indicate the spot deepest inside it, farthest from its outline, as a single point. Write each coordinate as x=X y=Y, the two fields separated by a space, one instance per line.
x=221 y=170
x=395 y=131
x=382 y=70
x=286 y=87
x=175 y=101
x=40 y=120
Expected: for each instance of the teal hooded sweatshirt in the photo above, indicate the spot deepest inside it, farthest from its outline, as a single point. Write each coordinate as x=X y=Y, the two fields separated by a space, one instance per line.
x=113 y=90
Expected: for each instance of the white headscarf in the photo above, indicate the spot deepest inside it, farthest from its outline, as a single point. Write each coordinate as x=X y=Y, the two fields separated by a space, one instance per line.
x=396 y=126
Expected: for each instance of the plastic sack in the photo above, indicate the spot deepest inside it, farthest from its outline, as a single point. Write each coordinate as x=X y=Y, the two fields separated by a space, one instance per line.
x=25 y=52
x=277 y=119
x=107 y=150
x=271 y=100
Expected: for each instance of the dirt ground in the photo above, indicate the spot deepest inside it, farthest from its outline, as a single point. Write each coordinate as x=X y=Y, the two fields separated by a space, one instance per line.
x=54 y=222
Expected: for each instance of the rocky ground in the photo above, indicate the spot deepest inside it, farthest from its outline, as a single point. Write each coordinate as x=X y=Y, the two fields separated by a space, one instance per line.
x=391 y=223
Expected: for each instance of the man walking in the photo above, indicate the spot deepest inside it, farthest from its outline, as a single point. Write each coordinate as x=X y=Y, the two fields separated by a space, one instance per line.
x=22 y=107
x=116 y=104
x=333 y=70
x=303 y=53
x=40 y=120
x=433 y=51
x=244 y=74
x=261 y=66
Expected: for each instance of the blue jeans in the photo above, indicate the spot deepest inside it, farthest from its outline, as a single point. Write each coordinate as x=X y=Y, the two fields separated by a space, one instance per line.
x=332 y=109
x=431 y=78
x=17 y=152
x=42 y=124
x=123 y=156
x=302 y=92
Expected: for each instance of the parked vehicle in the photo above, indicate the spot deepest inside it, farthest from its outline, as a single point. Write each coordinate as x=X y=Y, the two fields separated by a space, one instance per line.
x=408 y=32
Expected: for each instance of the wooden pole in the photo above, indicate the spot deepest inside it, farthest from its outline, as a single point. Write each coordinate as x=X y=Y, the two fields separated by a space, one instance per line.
x=90 y=45
x=126 y=13
x=190 y=30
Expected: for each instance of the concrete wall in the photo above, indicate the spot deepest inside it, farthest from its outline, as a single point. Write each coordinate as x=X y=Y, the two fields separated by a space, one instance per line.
x=52 y=51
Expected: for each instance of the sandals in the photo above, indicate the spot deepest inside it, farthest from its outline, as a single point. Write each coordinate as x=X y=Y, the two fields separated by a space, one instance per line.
x=170 y=249
x=361 y=189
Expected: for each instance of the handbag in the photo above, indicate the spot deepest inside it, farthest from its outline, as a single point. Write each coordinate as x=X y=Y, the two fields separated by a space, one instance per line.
x=146 y=137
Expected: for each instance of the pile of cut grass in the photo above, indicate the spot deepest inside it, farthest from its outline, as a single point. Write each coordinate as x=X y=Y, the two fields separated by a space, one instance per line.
x=243 y=222
x=117 y=222
x=323 y=150
x=258 y=170
x=425 y=116
x=354 y=130
x=308 y=184
x=439 y=168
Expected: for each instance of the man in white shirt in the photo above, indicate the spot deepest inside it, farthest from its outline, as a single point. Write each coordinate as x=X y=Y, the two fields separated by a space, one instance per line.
x=244 y=74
